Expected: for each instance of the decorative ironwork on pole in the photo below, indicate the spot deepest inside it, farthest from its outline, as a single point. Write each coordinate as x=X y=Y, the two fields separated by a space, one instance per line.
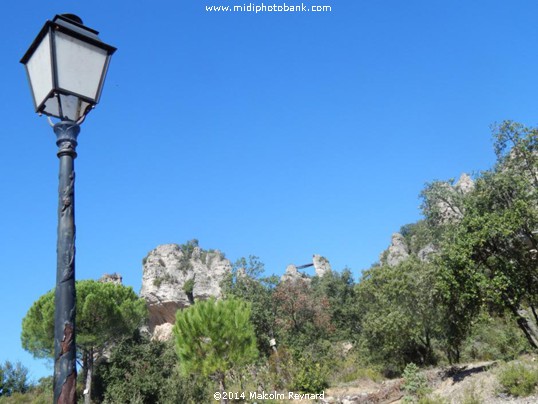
x=65 y=372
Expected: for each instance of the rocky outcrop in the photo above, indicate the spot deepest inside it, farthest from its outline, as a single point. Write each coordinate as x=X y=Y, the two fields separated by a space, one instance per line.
x=465 y=184
x=162 y=332
x=293 y=275
x=398 y=250
x=426 y=252
x=448 y=205
x=111 y=278
x=321 y=264
x=174 y=276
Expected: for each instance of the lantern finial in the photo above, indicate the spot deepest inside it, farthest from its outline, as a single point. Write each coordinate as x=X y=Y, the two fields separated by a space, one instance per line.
x=73 y=17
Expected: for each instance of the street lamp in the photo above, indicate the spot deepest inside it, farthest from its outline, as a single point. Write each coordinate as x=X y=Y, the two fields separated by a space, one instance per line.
x=66 y=67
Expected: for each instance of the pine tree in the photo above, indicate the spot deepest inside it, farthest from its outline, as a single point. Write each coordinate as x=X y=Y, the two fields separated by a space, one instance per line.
x=213 y=337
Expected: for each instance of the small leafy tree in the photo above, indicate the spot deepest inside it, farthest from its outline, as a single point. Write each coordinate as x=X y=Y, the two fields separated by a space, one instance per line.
x=246 y=283
x=302 y=318
x=13 y=379
x=213 y=337
x=339 y=290
x=106 y=312
x=400 y=315
x=491 y=254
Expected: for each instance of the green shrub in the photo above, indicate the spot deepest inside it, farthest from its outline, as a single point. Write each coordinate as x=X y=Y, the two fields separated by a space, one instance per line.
x=494 y=338
x=518 y=379
x=188 y=286
x=415 y=383
x=143 y=371
x=349 y=368
x=310 y=377
x=38 y=393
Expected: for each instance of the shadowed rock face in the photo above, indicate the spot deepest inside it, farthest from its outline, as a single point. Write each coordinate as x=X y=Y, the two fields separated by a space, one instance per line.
x=174 y=276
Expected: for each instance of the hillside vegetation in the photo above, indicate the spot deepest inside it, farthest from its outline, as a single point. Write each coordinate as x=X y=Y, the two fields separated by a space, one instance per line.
x=458 y=286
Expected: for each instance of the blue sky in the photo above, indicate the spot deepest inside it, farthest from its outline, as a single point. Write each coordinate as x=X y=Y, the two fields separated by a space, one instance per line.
x=272 y=134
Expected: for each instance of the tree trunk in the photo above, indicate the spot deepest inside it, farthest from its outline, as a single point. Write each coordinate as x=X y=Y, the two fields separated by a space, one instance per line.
x=89 y=373
x=527 y=325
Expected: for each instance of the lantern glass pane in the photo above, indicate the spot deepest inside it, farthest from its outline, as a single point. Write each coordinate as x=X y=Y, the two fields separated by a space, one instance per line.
x=39 y=68
x=80 y=65
x=52 y=107
x=72 y=108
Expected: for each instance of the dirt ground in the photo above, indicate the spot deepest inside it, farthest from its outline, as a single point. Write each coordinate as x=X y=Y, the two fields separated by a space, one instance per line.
x=471 y=383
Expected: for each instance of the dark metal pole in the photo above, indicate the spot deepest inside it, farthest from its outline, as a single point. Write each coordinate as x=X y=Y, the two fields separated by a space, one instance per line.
x=65 y=372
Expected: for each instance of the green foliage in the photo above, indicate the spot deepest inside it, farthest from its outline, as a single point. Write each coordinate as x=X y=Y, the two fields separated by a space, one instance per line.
x=213 y=337
x=418 y=235
x=245 y=283
x=309 y=376
x=415 y=383
x=348 y=366
x=279 y=370
x=106 y=312
x=188 y=286
x=490 y=256
x=13 y=379
x=400 y=317
x=338 y=290
x=442 y=205
x=40 y=393
x=144 y=371
x=518 y=379
x=493 y=337
x=302 y=319
x=187 y=250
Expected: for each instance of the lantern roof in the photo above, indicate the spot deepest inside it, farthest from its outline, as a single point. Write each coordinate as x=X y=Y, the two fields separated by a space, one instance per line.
x=70 y=24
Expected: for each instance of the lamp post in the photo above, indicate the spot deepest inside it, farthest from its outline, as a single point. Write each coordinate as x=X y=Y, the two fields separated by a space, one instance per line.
x=66 y=67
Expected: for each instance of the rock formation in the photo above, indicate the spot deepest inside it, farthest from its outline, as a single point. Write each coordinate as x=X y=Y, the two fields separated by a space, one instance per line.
x=111 y=278
x=292 y=275
x=321 y=264
x=162 y=332
x=426 y=252
x=465 y=184
x=398 y=250
x=449 y=211
x=174 y=276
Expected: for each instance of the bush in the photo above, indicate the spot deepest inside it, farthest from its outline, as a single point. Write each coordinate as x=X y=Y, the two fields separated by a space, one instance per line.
x=518 y=379
x=415 y=383
x=13 y=379
x=143 y=371
x=40 y=393
x=494 y=338
x=350 y=367
x=310 y=377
